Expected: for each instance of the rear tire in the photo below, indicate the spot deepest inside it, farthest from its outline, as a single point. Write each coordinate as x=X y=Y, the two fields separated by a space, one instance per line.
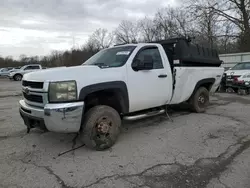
x=18 y=77
x=200 y=100
x=100 y=128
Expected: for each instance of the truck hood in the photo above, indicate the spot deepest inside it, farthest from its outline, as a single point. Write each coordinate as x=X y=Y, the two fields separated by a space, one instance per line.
x=236 y=72
x=83 y=75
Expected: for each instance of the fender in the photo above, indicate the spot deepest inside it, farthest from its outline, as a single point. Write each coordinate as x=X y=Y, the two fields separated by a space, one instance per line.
x=116 y=85
x=203 y=82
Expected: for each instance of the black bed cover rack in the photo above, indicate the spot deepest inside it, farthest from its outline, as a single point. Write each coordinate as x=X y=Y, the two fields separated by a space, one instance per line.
x=182 y=52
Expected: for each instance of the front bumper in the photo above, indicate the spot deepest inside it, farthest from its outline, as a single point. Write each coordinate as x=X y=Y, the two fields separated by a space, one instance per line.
x=10 y=76
x=61 y=117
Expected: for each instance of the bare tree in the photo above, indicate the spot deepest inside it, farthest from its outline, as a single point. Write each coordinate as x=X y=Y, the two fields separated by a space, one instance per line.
x=235 y=11
x=206 y=22
x=227 y=38
x=172 y=22
x=147 y=30
x=102 y=38
x=127 y=32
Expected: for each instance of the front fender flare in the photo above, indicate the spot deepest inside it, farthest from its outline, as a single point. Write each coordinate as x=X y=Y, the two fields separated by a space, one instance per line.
x=116 y=85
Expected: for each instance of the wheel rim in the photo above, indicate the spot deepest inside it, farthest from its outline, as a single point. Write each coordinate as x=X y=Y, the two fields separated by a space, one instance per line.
x=102 y=132
x=18 y=78
x=202 y=101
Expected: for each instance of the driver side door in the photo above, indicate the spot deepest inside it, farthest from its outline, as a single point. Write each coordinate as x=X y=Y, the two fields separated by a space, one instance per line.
x=149 y=88
x=28 y=69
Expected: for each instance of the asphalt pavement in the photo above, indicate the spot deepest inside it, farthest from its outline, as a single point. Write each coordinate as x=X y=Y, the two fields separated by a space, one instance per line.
x=195 y=150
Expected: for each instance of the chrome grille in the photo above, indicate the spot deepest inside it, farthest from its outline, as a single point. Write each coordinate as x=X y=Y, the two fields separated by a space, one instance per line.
x=35 y=85
x=33 y=98
x=35 y=93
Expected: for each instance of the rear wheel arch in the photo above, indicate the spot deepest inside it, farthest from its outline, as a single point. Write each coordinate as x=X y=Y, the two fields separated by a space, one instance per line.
x=207 y=83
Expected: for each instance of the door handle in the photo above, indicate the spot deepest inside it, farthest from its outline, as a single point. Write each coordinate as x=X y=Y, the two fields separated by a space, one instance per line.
x=163 y=76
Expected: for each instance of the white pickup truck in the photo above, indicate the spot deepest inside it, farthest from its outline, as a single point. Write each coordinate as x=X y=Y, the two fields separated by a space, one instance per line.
x=128 y=82
x=17 y=75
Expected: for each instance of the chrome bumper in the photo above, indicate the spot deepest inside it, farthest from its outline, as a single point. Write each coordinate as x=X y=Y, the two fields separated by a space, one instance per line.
x=62 y=117
x=10 y=76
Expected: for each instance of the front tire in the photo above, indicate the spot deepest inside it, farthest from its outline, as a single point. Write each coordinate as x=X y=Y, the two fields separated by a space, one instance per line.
x=101 y=127
x=200 y=100
x=18 y=77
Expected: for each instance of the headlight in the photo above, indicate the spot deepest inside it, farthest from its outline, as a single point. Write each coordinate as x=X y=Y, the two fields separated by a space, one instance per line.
x=62 y=91
x=246 y=83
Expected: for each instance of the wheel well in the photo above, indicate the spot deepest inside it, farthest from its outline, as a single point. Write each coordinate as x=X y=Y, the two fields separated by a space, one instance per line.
x=17 y=74
x=109 y=97
x=207 y=83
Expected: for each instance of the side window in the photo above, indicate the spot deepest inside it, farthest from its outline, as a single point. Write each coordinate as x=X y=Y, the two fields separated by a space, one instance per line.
x=28 y=68
x=247 y=66
x=36 y=67
x=32 y=67
x=238 y=66
x=155 y=54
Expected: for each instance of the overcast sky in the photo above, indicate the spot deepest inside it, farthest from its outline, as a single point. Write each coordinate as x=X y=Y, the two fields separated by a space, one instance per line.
x=36 y=27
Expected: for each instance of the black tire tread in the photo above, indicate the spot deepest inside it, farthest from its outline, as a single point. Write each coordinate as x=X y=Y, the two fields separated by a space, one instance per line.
x=194 y=105
x=89 y=120
x=17 y=75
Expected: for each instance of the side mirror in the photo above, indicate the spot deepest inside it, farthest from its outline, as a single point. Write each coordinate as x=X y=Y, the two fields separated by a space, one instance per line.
x=146 y=64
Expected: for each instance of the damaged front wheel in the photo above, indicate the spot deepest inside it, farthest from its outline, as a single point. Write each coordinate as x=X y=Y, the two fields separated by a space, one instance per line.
x=101 y=127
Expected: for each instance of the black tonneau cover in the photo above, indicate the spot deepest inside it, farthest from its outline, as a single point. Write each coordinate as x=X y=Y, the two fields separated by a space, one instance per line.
x=181 y=52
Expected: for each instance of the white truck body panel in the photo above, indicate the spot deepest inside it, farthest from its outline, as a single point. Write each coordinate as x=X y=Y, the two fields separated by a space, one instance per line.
x=84 y=75
x=145 y=88
x=188 y=77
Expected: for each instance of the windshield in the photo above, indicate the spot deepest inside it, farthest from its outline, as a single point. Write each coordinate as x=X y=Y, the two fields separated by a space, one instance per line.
x=241 y=66
x=23 y=67
x=111 y=57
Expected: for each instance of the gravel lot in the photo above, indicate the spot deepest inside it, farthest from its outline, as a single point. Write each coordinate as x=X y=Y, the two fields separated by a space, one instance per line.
x=195 y=150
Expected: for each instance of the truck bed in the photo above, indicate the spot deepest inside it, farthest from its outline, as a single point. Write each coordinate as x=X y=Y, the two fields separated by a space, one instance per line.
x=192 y=76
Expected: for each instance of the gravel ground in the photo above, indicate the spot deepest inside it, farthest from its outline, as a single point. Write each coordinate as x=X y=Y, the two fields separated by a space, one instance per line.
x=195 y=150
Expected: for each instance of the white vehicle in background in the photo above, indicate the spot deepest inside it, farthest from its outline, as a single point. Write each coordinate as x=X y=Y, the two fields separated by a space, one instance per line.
x=17 y=75
x=242 y=83
x=245 y=78
x=4 y=72
x=234 y=73
x=129 y=82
